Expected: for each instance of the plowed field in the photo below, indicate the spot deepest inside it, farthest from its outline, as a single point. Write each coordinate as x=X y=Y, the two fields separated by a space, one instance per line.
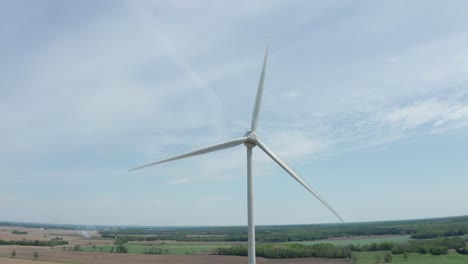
x=24 y=254
x=143 y=259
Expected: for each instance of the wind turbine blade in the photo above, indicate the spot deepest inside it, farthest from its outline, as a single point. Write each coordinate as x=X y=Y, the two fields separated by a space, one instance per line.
x=296 y=176
x=225 y=145
x=258 y=99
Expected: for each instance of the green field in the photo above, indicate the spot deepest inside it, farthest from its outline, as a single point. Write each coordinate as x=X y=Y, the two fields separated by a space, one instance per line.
x=359 y=241
x=368 y=257
x=164 y=248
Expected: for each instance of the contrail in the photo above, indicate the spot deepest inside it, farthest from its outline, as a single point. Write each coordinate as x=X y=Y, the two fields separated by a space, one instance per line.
x=152 y=24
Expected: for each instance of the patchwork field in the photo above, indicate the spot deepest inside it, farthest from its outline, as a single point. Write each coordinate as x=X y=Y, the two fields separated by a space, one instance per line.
x=57 y=256
x=184 y=252
x=74 y=237
x=90 y=248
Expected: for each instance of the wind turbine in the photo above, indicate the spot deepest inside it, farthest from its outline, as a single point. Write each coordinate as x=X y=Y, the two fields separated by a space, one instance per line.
x=250 y=140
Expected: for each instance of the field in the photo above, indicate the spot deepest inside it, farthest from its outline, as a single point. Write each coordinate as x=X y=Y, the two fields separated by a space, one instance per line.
x=452 y=258
x=74 y=237
x=193 y=245
x=196 y=250
x=58 y=256
x=22 y=261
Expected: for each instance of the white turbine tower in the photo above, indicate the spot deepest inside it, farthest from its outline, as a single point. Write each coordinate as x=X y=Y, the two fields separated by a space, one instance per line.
x=250 y=140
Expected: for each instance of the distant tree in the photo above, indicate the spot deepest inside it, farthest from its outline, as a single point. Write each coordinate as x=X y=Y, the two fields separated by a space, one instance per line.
x=13 y=253
x=388 y=257
x=438 y=250
x=463 y=250
x=378 y=258
x=405 y=256
x=121 y=249
x=373 y=247
x=354 y=258
x=35 y=255
x=422 y=250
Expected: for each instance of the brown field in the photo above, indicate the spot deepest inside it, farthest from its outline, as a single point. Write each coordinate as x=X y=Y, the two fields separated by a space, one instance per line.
x=22 y=261
x=74 y=237
x=107 y=258
x=24 y=254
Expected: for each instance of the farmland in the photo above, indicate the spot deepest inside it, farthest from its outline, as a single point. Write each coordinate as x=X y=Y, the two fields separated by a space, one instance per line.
x=80 y=257
x=331 y=243
x=452 y=258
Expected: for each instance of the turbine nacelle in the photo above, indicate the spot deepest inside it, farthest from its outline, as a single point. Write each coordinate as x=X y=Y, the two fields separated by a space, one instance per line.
x=251 y=139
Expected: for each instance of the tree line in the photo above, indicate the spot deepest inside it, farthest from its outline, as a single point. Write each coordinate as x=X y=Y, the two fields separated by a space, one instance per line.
x=437 y=246
x=16 y=232
x=289 y=251
x=37 y=243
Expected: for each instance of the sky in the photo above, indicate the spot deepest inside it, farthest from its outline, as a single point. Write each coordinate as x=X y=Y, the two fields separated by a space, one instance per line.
x=366 y=100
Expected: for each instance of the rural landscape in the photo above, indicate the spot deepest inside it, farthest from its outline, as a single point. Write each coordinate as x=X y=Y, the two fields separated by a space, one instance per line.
x=428 y=241
x=233 y=132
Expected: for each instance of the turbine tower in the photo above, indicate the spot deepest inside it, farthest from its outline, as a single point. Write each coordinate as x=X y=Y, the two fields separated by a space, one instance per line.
x=250 y=140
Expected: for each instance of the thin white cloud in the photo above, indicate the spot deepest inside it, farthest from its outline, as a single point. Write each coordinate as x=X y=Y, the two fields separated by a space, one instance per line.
x=418 y=114
x=436 y=113
x=295 y=144
x=455 y=119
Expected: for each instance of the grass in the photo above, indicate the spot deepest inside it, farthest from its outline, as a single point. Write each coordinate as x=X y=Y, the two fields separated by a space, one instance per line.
x=166 y=248
x=357 y=241
x=368 y=257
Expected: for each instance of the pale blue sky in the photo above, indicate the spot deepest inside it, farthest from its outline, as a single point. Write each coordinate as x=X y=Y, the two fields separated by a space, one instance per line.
x=367 y=100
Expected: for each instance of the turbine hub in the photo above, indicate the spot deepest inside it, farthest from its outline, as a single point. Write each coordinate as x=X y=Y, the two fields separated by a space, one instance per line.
x=251 y=139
